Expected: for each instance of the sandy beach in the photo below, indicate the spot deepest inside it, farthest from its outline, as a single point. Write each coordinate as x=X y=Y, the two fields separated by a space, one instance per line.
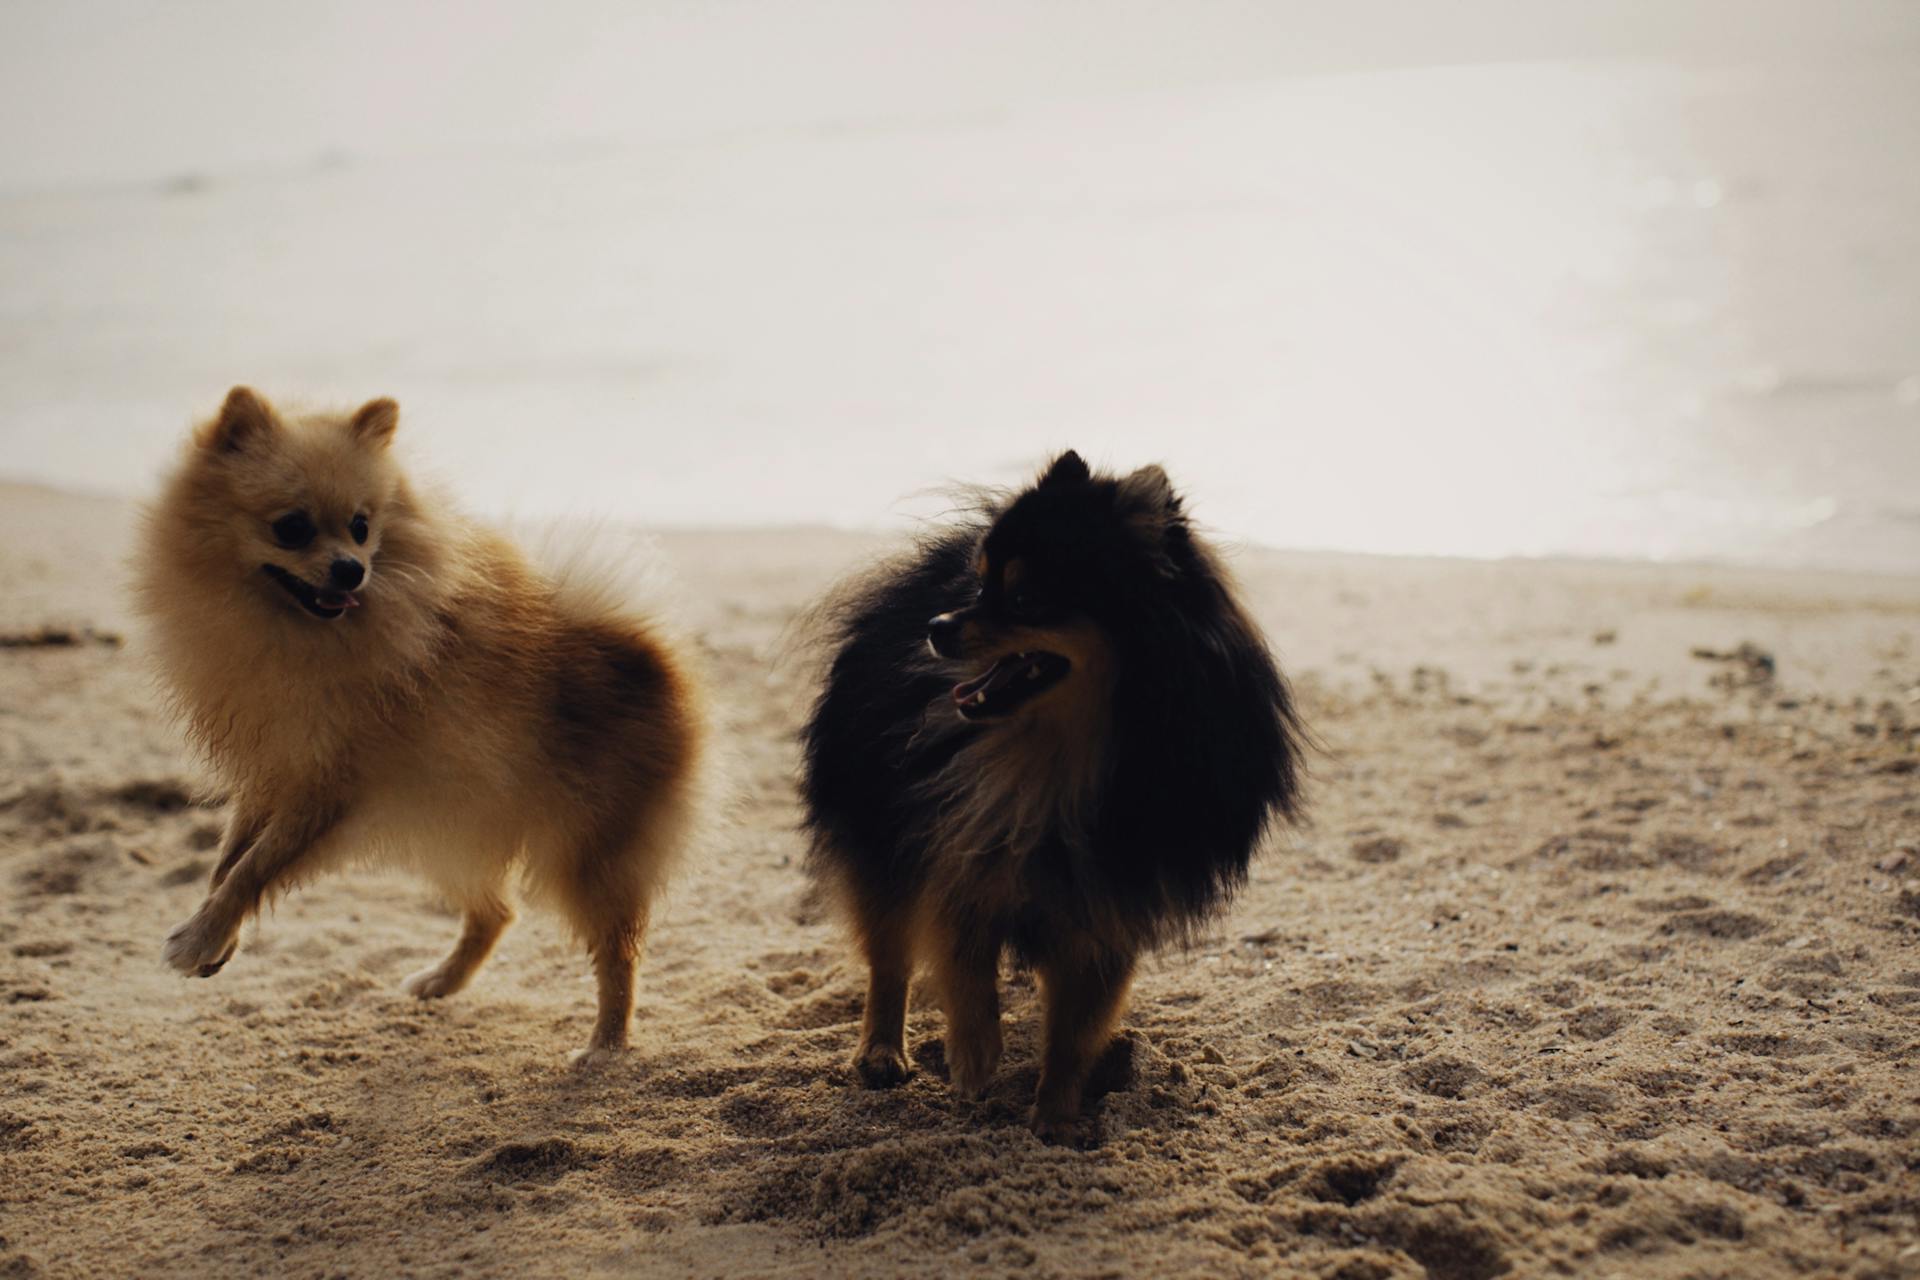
x=1599 y=952
x=1599 y=956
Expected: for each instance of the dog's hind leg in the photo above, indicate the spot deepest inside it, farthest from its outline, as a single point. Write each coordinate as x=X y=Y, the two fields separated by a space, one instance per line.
x=881 y=1060
x=1084 y=996
x=607 y=893
x=616 y=954
x=487 y=917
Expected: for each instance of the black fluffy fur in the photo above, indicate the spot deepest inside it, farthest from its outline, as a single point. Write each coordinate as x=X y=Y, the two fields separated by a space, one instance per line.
x=1204 y=750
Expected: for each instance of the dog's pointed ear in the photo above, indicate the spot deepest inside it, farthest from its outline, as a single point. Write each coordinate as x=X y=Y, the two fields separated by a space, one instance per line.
x=1150 y=489
x=1069 y=468
x=245 y=420
x=1153 y=511
x=374 y=424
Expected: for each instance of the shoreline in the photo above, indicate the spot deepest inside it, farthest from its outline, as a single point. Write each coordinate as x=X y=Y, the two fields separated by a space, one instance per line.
x=14 y=488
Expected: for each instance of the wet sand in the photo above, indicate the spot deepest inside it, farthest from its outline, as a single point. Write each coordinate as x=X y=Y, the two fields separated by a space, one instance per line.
x=1596 y=957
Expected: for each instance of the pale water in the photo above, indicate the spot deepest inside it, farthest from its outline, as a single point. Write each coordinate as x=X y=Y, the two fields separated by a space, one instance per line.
x=1605 y=307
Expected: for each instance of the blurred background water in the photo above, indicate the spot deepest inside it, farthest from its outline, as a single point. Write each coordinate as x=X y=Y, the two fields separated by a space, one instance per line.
x=1626 y=280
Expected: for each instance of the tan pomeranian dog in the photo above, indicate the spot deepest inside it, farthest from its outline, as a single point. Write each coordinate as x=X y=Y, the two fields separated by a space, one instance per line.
x=374 y=677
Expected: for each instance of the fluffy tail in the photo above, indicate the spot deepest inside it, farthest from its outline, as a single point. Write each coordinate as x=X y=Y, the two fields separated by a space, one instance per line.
x=616 y=575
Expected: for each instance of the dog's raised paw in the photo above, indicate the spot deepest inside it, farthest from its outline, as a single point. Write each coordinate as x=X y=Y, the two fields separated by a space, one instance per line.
x=881 y=1066
x=197 y=949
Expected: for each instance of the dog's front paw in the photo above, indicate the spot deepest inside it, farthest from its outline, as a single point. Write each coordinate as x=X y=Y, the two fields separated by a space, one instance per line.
x=881 y=1066
x=200 y=947
x=970 y=1065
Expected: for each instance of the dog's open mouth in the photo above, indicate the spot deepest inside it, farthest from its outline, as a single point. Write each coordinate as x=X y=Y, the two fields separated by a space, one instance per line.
x=1008 y=684
x=318 y=601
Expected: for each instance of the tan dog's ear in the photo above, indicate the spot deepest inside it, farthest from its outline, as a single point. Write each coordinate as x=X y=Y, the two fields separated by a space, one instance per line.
x=245 y=420
x=374 y=425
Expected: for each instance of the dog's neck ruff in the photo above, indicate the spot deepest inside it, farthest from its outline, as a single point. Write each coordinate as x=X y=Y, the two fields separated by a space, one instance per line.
x=1016 y=785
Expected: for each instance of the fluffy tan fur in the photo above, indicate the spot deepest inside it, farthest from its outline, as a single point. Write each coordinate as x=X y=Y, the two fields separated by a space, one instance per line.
x=472 y=719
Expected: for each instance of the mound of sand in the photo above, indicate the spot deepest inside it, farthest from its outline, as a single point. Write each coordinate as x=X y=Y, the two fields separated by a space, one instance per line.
x=1597 y=957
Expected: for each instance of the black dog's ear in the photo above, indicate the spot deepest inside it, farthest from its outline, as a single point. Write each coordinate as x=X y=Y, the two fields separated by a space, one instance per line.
x=1068 y=468
x=1152 y=509
x=244 y=419
x=1149 y=489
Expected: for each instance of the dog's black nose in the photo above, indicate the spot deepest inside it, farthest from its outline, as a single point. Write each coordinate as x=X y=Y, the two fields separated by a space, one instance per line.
x=346 y=573
x=943 y=635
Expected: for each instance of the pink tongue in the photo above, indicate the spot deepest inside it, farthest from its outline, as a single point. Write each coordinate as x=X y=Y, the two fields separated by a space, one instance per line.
x=337 y=599
x=996 y=676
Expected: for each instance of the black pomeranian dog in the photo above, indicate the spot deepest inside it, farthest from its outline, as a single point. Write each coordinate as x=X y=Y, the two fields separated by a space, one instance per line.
x=1050 y=730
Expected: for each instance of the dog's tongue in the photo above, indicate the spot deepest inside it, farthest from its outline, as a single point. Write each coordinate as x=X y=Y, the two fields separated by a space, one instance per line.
x=337 y=599
x=996 y=677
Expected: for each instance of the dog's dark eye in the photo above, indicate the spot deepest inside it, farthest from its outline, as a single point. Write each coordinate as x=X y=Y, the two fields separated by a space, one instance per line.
x=358 y=528
x=294 y=530
x=1022 y=601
